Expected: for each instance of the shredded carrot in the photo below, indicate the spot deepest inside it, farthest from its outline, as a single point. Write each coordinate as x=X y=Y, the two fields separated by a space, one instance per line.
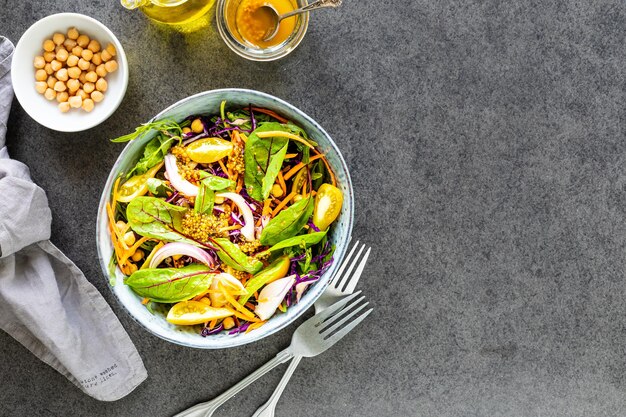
x=239 y=185
x=293 y=171
x=266 y=207
x=231 y=300
x=270 y=113
x=291 y=155
x=283 y=204
x=238 y=315
x=224 y=168
x=249 y=306
x=281 y=182
x=278 y=133
x=212 y=324
x=254 y=326
x=133 y=249
x=145 y=301
x=229 y=228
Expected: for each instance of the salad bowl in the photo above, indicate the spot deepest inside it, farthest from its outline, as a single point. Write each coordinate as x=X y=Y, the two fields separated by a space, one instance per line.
x=209 y=103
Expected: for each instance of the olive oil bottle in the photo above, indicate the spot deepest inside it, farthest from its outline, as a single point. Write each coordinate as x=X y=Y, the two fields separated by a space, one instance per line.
x=171 y=12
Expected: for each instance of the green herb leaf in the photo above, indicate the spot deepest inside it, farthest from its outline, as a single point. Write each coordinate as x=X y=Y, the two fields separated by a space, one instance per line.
x=308 y=240
x=158 y=187
x=204 y=200
x=153 y=153
x=288 y=222
x=274 y=271
x=232 y=256
x=154 y=218
x=162 y=125
x=171 y=285
x=216 y=183
x=261 y=157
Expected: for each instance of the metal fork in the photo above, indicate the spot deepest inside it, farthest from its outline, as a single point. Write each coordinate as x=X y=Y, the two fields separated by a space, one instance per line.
x=342 y=284
x=313 y=337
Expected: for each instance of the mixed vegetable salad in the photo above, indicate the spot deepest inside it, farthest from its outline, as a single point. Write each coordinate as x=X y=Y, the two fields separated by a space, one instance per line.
x=224 y=218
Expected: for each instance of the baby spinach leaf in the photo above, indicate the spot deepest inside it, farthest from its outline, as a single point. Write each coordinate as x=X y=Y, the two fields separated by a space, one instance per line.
x=288 y=222
x=261 y=156
x=158 y=187
x=162 y=125
x=204 y=200
x=216 y=183
x=308 y=240
x=152 y=217
x=153 y=153
x=232 y=256
x=171 y=285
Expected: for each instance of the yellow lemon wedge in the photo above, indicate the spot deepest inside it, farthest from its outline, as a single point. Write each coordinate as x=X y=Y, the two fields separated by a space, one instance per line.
x=187 y=313
x=208 y=150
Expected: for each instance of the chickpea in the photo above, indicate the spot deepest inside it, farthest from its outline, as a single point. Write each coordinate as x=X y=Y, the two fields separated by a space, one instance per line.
x=74 y=72
x=56 y=65
x=106 y=55
x=92 y=77
x=75 y=101
x=81 y=93
x=83 y=41
x=64 y=106
x=101 y=85
x=41 y=86
x=89 y=87
x=219 y=200
x=48 y=56
x=97 y=96
x=186 y=130
x=72 y=61
x=97 y=58
x=138 y=255
x=58 y=48
x=39 y=62
x=228 y=323
x=196 y=126
x=51 y=81
x=92 y=67
x=121 y=226
x=48 y=45
x=111 y=49
x=205 y=300
x=62 y=74
x=62 y=96
x=50 y=94
x=129 y=239
x=101 y=70
x=58 y=38
x=82 y=76
x=88 y=107
x=111 y=66
x=62 y=55
x=77 y=50
x=87 y=54
x=41 y=75
x=73 y=85
x=72 y=33
x=60 y=86
x=48 y=69
x=277 y=190
x=94 y=46
x=82 y=64
x=69 y=44
x=297 y=198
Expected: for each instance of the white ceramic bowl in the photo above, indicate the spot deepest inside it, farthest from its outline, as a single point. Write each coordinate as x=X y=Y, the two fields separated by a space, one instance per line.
x=209 y=103
x=23 y=74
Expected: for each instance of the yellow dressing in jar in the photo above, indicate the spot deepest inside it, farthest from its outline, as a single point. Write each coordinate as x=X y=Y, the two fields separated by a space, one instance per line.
x=254 y=22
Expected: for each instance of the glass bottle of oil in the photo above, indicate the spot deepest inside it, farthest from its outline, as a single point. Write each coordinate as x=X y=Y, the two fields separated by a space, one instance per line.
x=171 y=12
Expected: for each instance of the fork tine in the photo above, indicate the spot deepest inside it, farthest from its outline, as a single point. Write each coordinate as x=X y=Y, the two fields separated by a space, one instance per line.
x=357 y=274
x=341 y=333
x=346 y=276
x=337 y=275
x=334 y=317
x=320 y=317
x=327 y=329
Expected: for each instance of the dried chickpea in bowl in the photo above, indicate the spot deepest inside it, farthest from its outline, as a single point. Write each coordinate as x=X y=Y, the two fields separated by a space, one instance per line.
x=71 y=67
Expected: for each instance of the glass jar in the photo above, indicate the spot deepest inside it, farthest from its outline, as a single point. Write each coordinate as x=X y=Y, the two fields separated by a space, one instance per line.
x=226 y=12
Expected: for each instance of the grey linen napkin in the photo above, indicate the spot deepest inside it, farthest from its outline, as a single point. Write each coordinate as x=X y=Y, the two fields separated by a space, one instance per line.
x=46 y=303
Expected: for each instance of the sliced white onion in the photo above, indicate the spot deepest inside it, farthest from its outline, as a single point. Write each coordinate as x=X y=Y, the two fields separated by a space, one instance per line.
x=177 y=181
x=300 y=289
x=248 y=229
x=173 y=249
x=272 y=295
x=227 y=280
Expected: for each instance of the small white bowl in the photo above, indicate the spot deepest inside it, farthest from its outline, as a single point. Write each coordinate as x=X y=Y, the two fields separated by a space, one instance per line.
x=23 y=74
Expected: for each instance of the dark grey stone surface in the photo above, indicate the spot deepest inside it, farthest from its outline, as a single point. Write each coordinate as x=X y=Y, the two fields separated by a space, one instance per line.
x=486 y=145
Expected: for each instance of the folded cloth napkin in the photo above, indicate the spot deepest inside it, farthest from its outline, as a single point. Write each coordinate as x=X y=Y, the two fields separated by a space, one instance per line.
x=46 y=303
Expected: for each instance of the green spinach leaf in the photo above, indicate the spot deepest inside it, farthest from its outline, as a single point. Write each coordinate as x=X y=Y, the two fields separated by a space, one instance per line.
x=171 y=285
x=158 y=187
x=153 y=153
x=204 y=200
x=216 y=183
x=288 y=222
x=308 y=239
x=232 y=256
x=261 y=157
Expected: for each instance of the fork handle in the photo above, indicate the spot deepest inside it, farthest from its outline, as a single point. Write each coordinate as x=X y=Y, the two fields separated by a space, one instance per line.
x=268 y=408
x=206 y=409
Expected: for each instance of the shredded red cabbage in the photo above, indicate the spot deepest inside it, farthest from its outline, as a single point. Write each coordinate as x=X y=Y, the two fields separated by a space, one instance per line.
x=242 y=328
x=206 y=332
